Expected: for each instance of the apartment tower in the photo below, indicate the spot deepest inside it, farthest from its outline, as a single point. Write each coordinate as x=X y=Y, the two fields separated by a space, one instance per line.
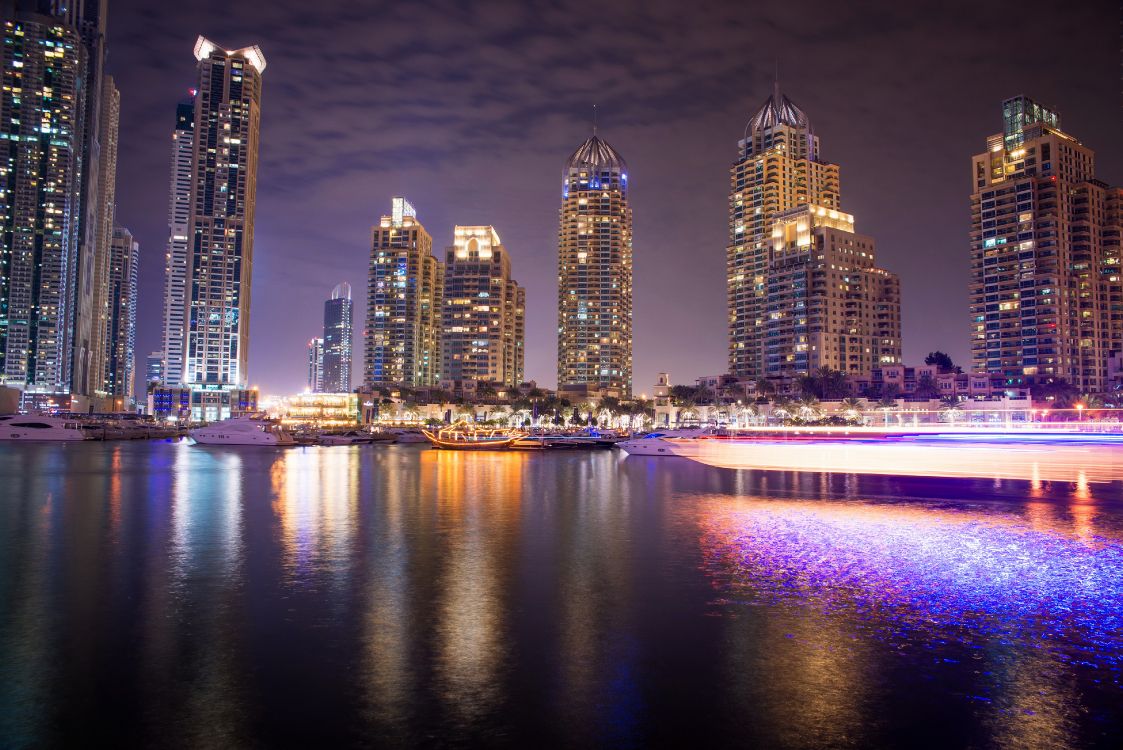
x=336 y=376
x=484 y=313
x=175 y=259
x=778 y=168
x=595 y=274
x=316 y=365
x=404 y=287
x=51 y=265
x=1046 y=291
x=220 y=228
x=120 y=342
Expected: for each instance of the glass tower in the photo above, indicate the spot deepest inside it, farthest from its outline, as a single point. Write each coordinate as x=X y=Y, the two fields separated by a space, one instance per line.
x=336 y=376
x=595 y=274
x=220 y=232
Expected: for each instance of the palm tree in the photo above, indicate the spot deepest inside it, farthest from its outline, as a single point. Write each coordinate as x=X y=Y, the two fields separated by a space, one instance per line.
x=949 y=408
x=853 y=407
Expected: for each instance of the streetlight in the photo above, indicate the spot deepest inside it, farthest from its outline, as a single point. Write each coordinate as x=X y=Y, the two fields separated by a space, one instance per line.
x=1080 y=412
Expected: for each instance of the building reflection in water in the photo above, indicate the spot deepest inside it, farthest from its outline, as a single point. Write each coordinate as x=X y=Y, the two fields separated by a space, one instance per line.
x=838 y=573
x=206 y=560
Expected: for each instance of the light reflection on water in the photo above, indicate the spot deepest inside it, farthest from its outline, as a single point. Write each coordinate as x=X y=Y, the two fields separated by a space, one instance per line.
x=158 y=593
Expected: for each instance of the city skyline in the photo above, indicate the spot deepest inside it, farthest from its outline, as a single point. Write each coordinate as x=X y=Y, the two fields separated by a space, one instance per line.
x=679 y=159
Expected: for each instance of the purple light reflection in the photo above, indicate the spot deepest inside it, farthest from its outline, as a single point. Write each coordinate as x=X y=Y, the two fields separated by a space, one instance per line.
x=922 y=568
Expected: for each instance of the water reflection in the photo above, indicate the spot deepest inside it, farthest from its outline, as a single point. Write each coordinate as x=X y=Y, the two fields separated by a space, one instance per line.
x=1030 y=597
x=395 y=595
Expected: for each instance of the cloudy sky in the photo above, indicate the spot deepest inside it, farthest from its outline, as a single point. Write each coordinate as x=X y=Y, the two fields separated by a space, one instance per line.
x=470 y=110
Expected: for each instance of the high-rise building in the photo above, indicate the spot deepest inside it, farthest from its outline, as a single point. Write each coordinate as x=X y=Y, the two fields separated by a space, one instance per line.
x=1046 y=290
x=316 y=365
x=484 y=311
x=827 y=304
x=154 y=368
x=175 y=260
x=778 y=168
x=220 y=229
x=120 y=349
x=50 y=119
x=595 y=274
x=404 y=287
x=337 y=341
x=107 y=196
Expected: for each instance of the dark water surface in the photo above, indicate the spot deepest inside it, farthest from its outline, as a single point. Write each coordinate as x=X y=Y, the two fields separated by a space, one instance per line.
x=163 y=594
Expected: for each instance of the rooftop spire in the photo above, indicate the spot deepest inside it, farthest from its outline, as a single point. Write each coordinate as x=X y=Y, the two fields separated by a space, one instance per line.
x=594 y=119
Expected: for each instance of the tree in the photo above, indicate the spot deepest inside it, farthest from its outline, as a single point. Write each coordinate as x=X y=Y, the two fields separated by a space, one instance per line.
x=824 y=383
x=683 y=395
x=926 y=387
x=765 y=387
x=942 y=361
x=1062 y=393
x=575 y=418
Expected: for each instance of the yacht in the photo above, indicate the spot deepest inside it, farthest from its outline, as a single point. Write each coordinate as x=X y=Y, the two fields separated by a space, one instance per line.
x=41 y=427
x=656 y=443
x=242 y=431
x=407 y=435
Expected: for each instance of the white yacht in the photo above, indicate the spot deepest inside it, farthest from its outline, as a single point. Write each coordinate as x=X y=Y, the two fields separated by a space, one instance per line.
x=407 y=435
x=242 y=431
x=41 y=427
x=655 y=443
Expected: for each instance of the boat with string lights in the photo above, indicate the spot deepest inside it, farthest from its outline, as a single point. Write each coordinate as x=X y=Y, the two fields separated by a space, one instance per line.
x=467 y=437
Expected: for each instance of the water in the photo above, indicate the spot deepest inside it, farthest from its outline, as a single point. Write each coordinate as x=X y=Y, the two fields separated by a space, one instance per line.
x=175 y=595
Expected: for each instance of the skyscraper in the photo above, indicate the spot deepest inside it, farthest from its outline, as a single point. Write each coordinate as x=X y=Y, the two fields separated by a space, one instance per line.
x=595 y=274
x=220 y=230
x=337 y=341
x=316 y=365
x=1046 y=290
x=484 y=311
x=154 y=369
x=120 y=349
x=404 y=287
x=50 y=117
x=778 y=168
x=110 y=114
x=804 y=289
x=175 y=261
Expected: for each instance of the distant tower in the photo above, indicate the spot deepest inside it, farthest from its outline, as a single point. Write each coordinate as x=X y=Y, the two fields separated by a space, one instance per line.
x=595 y=274
x=777 y=168
x=404 y=286
x=179 y=216
x=220 y=232
x=484 y=310
x=337 y=341
x=316 y=365
x=1046 y=292
x=120 y=350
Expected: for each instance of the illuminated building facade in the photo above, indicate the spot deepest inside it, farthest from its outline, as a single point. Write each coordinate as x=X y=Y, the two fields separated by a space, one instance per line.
x=404 y=287
x=826 y=303
x=175 y=259
x=336 y=368
x=120 y=342
x=778 y=169
x=154 y=368
x=595 y=274
x=316 y=365
x=220 y=230
x=51 y=67
x=1046 y=292
x=321 y=409
x=484 y=311
x=104 y=315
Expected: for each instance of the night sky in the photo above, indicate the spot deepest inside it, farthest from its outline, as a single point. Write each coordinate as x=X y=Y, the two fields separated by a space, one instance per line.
x=470 y=111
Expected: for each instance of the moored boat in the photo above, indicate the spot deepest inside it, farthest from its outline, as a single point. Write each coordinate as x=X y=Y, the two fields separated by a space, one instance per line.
x=351 y=437
x=463 y=436
x=242 y=431
x=38 y=427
